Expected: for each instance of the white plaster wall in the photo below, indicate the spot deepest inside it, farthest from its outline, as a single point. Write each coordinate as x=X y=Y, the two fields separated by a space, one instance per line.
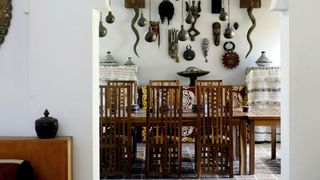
x=155 y=63
x=13 y=76
x=304 y=87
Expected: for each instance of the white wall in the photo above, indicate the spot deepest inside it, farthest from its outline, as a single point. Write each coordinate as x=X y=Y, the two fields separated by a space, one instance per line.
x=304 y=87
x=155 y=62
x=14 y=76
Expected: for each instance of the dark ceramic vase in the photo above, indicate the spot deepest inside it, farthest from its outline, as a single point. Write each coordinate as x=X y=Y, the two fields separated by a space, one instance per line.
x=46 y=127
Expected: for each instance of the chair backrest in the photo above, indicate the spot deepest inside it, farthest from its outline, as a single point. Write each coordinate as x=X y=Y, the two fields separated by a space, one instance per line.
x=115 y=130
x=214 y=127
x=207 y=83
x=133 y=84
x=163 y=130
x=164 y=82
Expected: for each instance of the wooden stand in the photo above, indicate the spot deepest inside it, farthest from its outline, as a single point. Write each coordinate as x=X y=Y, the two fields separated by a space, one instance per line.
x=51 y=159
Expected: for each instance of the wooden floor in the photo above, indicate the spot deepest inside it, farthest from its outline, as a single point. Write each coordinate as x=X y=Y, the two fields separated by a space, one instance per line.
x=266 y=169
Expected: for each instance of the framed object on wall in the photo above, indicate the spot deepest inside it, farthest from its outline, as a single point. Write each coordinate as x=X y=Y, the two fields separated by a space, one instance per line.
x=134 y=3
x=5 y=17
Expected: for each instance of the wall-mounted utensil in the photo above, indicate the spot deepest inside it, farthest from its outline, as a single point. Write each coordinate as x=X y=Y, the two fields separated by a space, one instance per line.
x=216 y=31
x=188 y=54
x=142 y=22
x=250 y=4
x=150 y=36
x=230 y=59
x=228 y=33
x=216 y=6
x=205 y=48
x=110 y=17
x=189 y=19
x=183 y=34
x=102 y=30
x=173 y=44
x=223 y=14
x=166 y=10
x=195 y=11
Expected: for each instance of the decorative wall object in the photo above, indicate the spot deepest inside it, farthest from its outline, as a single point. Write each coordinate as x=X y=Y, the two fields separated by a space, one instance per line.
x=216 y=31
x=142 y=22
x=173 y=44
x=223 y=16
x=183 y=35
x=236 y=25
x=250 y=4
x=229 y=33
x=155 y=26
x=195 y=11
x=5 y=18
x=110 y=17
x=102 y=30
x=216 y=6
x=166 y=10
x=150 y=36
x=189 y=54
x=205 y=48
x=135 y=4
x=230 y=59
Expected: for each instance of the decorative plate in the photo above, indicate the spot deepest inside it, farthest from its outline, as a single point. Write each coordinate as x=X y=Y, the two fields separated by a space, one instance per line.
x=5 y=17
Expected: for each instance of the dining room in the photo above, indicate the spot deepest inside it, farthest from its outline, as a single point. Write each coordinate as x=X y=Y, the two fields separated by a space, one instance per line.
x=240 y=48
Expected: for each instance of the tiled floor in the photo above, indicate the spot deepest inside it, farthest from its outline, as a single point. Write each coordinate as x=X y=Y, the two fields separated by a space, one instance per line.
x=266 y=169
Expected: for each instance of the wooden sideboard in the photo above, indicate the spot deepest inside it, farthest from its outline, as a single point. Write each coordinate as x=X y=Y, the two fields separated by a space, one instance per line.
x=51 y=159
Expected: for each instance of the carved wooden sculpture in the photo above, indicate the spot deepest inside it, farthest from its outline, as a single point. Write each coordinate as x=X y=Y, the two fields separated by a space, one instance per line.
x=249 y=5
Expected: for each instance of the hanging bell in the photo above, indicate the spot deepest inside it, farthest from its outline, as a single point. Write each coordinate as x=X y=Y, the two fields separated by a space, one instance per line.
x=142 y=22
x=150 y=36
x=223 y=15
x=183 y=34
x=228 y=33
x=102 y=30
x=189 y=19
x=110 y=18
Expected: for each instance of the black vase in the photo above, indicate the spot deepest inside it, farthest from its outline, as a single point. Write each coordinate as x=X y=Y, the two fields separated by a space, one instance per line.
x=46 y=127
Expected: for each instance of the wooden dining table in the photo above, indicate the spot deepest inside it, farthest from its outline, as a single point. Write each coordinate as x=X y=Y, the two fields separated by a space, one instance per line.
x=262 y=116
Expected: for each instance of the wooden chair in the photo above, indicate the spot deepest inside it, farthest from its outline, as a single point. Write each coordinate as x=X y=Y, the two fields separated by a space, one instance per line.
x=207 y=83
x=214 y=152
x=163 y=130
x=164 y=82
x=133 y=84
x=115 y=130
